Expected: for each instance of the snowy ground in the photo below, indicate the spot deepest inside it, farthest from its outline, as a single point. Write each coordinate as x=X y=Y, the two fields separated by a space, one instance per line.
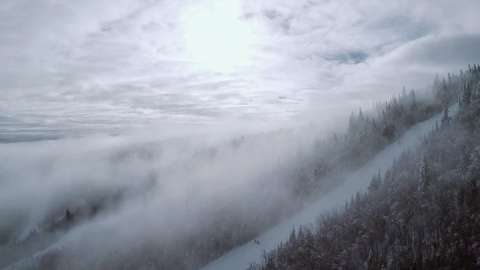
x=241 y=257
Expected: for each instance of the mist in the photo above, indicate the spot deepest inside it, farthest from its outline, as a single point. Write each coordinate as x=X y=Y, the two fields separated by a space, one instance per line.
x=160 y=134
x=147 y=191
x=104 y=201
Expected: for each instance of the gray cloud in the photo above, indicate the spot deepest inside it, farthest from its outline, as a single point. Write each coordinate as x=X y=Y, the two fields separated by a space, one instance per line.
x=441 y=52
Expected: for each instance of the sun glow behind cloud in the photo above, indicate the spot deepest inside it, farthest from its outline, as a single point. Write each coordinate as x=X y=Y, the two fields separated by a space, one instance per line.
x=93 y=66
x=216 y=37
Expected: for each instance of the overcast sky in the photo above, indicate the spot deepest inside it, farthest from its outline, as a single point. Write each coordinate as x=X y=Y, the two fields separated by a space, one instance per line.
x=96 y=64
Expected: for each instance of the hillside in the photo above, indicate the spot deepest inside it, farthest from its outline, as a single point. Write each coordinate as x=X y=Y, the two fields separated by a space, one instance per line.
x=423 y=213
x=353 y=182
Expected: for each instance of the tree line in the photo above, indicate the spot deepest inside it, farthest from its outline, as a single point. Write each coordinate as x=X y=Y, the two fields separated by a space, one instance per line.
x=423 y=213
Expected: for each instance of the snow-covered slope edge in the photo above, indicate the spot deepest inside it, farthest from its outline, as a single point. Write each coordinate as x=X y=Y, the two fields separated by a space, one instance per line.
x=241 y=257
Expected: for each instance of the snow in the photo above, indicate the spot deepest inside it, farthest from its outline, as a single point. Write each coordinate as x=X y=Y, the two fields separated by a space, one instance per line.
x=243 y=256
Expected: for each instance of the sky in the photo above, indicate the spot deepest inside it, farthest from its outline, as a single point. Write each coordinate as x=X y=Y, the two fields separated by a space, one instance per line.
x=79 y=67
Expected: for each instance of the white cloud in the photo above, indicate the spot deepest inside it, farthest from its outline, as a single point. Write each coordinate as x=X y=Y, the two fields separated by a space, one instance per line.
x=75 y=64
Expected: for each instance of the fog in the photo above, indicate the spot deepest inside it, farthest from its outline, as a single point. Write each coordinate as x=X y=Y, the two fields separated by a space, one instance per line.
x=141 y=128
x=102 y=201
x=149 y=191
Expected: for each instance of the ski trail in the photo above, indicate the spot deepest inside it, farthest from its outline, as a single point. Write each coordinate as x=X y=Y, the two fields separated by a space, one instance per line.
x=241 y=257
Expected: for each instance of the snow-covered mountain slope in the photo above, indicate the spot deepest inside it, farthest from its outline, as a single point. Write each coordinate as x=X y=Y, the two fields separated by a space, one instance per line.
x=241 y=257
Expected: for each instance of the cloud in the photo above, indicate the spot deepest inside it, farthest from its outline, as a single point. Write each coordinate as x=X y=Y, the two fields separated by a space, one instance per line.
x=71 y=65
x=440 y=52
x=148 y=192
x=419 y=60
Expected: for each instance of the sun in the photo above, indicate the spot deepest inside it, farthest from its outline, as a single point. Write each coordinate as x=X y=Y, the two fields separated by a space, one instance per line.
x=216 y=37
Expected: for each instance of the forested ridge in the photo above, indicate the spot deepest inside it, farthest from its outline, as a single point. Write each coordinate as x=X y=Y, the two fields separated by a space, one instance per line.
x=423 y=213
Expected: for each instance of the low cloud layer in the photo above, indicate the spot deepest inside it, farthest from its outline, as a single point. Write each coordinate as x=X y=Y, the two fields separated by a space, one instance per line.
x=129 y=194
